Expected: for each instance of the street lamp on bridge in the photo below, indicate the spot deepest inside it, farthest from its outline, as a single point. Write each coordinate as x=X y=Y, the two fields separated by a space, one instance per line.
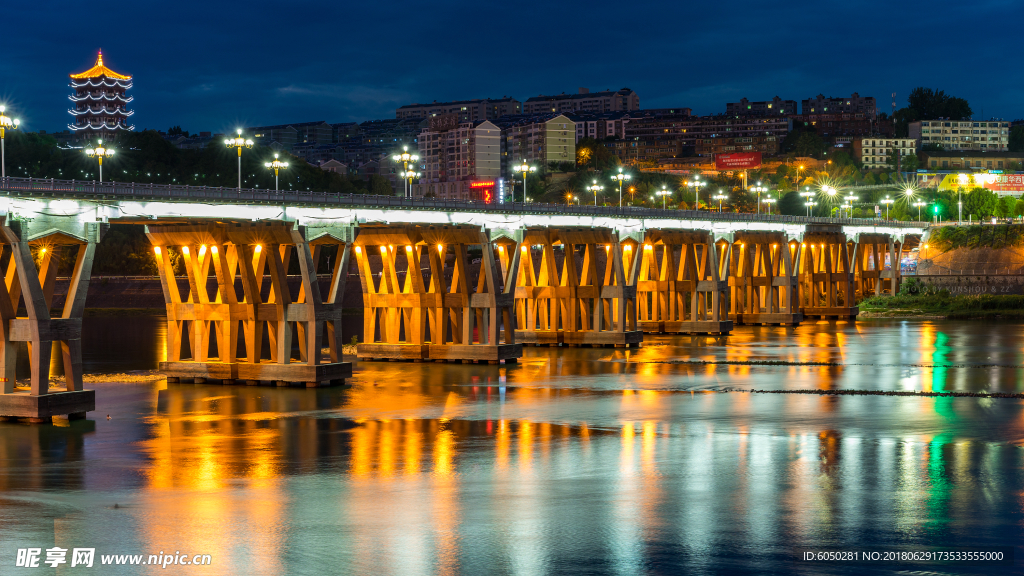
x=100 y=152
x=404 y=159
x=769 y=201
x=758 y=189
x=5 y=124
x=276 y=166
x=409 y=176
x=697 y=184
x=524 y=169
x=664 y=193
x=239 y=142
x=849 y=204
x=595 y=188
x=810 y=204
x=720 y=196
x=919 y=204
x=620 y=177
x=886 y=201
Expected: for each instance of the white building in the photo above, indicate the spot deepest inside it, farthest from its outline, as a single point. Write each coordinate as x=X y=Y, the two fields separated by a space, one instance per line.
x=459 y=160
x=874 y=151
x=991 y=136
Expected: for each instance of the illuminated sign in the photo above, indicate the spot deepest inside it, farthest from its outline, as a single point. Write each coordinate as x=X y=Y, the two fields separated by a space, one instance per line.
x=487 y=184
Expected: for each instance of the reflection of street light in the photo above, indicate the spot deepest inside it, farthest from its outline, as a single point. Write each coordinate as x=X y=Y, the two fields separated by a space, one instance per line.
x=404 y=159
x=524 y=169
x=720 y=197
x=5 y=123
x=595 y=188
x=100 y=152
x=276 y=166
x=663 y=193
x=758 y=188
x=769 y=201
x=238 y=142
x=919 y=204
x=620 y=177
x=810 y=204
x=887 y=201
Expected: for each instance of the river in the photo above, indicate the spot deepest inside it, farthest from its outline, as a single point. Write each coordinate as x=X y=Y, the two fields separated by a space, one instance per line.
x=582 y=461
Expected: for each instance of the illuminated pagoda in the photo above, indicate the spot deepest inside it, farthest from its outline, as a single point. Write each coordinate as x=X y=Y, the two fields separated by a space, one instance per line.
x=101 y=105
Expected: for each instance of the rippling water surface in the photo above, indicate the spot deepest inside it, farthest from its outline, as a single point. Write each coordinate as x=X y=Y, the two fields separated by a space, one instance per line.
x=584 y=461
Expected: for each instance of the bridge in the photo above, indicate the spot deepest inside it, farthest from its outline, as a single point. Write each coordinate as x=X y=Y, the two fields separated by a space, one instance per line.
x=440 y=280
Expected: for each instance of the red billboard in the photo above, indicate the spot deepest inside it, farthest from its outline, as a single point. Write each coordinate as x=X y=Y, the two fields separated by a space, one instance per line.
x=738 y=161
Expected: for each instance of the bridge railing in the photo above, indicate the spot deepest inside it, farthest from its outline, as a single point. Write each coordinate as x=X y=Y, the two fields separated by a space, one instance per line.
x=178 y=193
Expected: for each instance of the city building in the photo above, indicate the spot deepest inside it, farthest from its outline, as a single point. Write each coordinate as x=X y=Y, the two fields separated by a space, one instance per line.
x=652 y=137
x=953 y=135
x=861 y=107
x=288 y=135
x=774 y=107
x=840 y=129
x=459 y=160
x=969 y=159
x=100 y=101
x=540 y=140
x=874 y=151
x=599 y=126
x=465 y=110
x=335 y=166
x=583 y=101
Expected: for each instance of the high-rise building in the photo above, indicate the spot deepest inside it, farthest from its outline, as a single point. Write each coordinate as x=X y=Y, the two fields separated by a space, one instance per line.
x=861 y=107
x=875 y=151
x=459 y=160
x=584 y=101
x=100 y=102
x=774 y=107
x=992 y=136
x=540 y=140
x=464 y=110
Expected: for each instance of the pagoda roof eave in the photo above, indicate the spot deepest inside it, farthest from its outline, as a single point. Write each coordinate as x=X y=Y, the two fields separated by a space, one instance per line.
x=98 y=71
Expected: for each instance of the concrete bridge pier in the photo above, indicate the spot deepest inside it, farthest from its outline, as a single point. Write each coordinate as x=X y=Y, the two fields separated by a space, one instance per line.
x=409 y=315
x=872 y=279
x=240 y=253
x=827 y=278
x=24 y=283
x=682 y=286
x=763 y=282
x=559 y=300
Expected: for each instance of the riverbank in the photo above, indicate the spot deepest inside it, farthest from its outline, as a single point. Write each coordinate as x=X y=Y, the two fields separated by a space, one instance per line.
x=942 y=305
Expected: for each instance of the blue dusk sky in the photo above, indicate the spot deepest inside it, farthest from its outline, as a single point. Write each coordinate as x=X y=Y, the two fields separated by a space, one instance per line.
x=217 y=65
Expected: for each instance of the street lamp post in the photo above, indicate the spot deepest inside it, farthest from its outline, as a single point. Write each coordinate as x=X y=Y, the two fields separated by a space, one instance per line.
x=849 y=206
x=238 y=142
x=524 y=169
x=769 y=201
x=664 y=193
x=595 y=188
x=620 y=177
x=404 y=159
x=409 y=176
x=720 y=197
x=810 y=204
x=276 y=165
x=100 y=153
x=807 y=195
x=887 y=201
x=697 y=183
x=758 y=189
x=5 y=124
x=961 y=180
x=919 y=204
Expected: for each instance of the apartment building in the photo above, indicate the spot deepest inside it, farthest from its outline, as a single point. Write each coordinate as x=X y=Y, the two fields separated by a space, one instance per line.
x=583 y=101
x=657 y=136
x=970 y=160
x=860 y=107
x=874 y=151
x=953 y=135
x=538 y=139
x=599 y=126
x=288 y=135
x=459 y=160
x=464 y=110
x=774 y=107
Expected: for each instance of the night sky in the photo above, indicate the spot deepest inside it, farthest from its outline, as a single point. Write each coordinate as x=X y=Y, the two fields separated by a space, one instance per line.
x=216 y=65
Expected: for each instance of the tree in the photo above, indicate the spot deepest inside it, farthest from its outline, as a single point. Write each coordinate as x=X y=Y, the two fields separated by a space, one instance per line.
x=981 y=203
x=1004 y=209
x=380 y=186
x=1017 y=139
x=869 y=179
x=927 y=103
x=810 y=144
x=782 y=171
x=792 y=204
x=1018 y=208
x=593 y=154
x=911 y=163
